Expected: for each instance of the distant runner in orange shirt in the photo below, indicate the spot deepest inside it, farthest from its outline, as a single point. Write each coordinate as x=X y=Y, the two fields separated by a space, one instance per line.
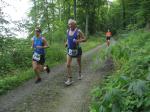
x=108 y=35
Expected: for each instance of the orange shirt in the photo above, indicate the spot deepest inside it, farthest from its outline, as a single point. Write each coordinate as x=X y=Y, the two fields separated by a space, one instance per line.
x=108 y=34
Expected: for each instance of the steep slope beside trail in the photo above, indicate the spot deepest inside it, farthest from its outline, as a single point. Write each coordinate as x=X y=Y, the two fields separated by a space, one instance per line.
x=51 y=95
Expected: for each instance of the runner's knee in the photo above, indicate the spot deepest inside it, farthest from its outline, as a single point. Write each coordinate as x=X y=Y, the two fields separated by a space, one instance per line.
x=68 y=65
x=79 y=59
x=35 y=68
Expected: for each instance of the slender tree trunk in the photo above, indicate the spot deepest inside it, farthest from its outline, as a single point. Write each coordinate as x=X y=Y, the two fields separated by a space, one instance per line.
x=59 y=10
x=68 y=10
x=124 y=14
x=35 y=13
x=75 y=7
x=46 y=13
x=87 y=19
x=53 y=18
x=86 y=25
x=148 y=25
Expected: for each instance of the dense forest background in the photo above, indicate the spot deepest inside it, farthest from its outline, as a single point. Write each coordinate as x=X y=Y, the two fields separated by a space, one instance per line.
x=93 y=17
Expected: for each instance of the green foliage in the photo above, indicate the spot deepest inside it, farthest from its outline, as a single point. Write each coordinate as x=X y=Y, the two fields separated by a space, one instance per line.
x=128 y=14
x=55 y=54
x=128 y=89
x=92 y=42
x=11 y=81
x=94 y=16
x=15 y=53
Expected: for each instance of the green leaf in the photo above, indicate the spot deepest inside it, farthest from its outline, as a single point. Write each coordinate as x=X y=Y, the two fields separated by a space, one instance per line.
x=138 y=87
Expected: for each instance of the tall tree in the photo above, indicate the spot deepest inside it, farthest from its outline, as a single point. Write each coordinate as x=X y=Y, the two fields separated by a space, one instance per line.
x=35 y=13
x=75 y=7
x=46 y=14
x=124 y=14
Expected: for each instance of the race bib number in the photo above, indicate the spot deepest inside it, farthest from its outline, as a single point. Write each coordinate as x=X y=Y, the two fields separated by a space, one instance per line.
x=73 y=52
x=36 y=56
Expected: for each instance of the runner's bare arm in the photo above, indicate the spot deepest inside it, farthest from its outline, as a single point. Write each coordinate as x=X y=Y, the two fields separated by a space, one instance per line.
x=32 y=43
x=45 y=44
x=66 y=43
x=82 y=38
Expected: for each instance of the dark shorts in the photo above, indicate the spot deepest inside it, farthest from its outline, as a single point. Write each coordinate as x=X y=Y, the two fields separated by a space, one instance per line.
x=79 y=53
x=107 y=38
x=41 y=61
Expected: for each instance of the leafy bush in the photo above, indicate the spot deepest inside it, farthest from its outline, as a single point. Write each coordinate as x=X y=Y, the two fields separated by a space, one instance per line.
x=128 y=89
x=12 y=81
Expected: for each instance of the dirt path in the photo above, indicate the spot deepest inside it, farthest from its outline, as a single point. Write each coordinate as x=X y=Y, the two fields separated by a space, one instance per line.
x=52 y=95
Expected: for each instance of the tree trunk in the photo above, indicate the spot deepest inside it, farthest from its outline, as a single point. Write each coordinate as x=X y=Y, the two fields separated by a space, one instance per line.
x=59 y=10
x=46 y=13
x=75 y=7
x=124 y=14
x=68 y=10
x=35 y=13
x=86 y=25
x=148 y=25
x=53 y=18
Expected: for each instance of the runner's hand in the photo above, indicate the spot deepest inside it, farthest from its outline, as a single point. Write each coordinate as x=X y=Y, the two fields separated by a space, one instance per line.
x=76 y=41
x=39 y=46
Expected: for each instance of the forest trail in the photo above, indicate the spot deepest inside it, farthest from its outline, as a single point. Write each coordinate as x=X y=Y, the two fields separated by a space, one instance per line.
x=51 y=95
